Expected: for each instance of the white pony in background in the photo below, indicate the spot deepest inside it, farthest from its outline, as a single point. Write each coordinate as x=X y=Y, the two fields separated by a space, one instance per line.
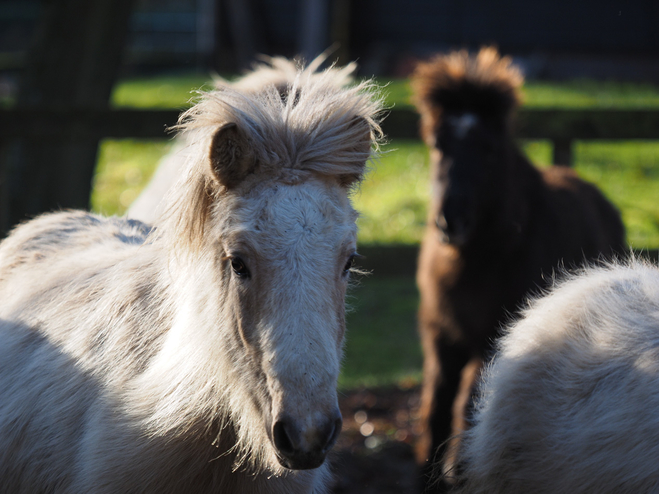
x=279 y=72
x=203 y=355
x=571 y=402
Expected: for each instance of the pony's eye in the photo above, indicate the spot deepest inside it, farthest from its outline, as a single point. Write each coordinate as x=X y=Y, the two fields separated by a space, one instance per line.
x=239 y=267
x=349 y=264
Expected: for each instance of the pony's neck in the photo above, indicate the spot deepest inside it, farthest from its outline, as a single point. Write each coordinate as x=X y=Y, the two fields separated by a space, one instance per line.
x=507 y=221
x=522 y=191
x=181 y=371
x=196 y=383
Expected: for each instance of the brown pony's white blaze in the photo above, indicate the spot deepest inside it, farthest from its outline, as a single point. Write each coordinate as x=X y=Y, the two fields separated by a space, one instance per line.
x=463 y=169
x=204 y=357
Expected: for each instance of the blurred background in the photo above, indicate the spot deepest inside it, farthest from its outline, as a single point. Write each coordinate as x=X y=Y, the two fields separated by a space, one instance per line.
x=87 y=89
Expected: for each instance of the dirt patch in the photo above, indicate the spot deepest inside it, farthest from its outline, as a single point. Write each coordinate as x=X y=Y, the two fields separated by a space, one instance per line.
x=374 y=454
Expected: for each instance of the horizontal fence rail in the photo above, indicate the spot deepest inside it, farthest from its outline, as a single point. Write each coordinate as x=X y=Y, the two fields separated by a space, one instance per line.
x=87 y=124
x=391 y=260
x=559 y=124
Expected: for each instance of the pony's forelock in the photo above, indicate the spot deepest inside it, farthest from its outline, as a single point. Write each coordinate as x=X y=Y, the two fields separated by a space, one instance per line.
x=280 y=72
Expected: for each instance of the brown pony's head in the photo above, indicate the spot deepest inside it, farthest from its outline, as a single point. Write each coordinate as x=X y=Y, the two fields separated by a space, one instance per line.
x=466 y=105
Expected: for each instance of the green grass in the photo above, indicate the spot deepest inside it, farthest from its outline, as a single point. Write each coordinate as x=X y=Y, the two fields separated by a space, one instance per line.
x=159 y=92
x=586 y=93
x=382 y=346
x=628 y=173
x=393 y=198
x=177 y=91
x=397 y=92
x=123 y=170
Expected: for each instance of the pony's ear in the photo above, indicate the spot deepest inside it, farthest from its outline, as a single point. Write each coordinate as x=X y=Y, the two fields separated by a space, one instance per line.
x=230 y=156
x=361 y=149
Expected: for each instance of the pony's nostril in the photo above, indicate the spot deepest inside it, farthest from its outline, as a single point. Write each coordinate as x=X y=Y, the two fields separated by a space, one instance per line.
x=282 y=438
x=334 y=431
x=303 y=448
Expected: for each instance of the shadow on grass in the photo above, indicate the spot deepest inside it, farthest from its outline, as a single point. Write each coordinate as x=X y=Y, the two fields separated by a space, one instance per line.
x=382 y=346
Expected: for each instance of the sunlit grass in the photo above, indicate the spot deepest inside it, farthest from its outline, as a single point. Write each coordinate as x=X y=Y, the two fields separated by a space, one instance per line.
x=393 y=198
x=176 y=91
x=628 y=173
x=397 y=92
x=581 y=93
x=123 y=170
x=159 y=92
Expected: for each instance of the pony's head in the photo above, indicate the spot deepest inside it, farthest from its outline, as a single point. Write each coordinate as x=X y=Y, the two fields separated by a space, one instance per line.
x=264 y=216
x=466 y=105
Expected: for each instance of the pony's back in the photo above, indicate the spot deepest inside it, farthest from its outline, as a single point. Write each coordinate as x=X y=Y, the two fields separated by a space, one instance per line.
x=571 y=402
x=578 y=218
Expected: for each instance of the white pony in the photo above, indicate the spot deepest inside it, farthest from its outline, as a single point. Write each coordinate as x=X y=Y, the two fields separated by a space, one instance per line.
x=202 y=356
x=571 y=402
x=279 y=72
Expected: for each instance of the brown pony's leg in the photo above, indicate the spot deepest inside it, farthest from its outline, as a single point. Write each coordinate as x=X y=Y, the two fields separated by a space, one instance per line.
x=442 y=373
x=462 y=406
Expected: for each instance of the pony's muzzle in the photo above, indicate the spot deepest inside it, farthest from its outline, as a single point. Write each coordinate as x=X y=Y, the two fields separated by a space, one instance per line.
x=300 y=448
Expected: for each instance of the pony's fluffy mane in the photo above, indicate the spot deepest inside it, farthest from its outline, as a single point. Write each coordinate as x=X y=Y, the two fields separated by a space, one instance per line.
x=281 y=72
x=486 y=84
x=326 y=129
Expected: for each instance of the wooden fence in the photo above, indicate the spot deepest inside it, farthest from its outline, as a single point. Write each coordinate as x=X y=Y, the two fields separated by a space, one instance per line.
x=560 y=126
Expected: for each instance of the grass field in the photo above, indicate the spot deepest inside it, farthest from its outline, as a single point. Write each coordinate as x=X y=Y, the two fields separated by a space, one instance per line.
x=381 y=344
x=175 y=92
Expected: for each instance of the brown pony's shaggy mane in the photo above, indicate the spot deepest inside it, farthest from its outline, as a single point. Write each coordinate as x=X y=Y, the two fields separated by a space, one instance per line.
x=486 y=85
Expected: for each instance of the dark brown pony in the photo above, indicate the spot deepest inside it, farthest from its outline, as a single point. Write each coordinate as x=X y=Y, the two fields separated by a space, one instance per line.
x=497 y=229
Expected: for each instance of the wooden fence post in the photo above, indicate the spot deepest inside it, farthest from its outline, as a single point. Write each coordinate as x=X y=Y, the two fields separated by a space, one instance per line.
x=562 y=152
